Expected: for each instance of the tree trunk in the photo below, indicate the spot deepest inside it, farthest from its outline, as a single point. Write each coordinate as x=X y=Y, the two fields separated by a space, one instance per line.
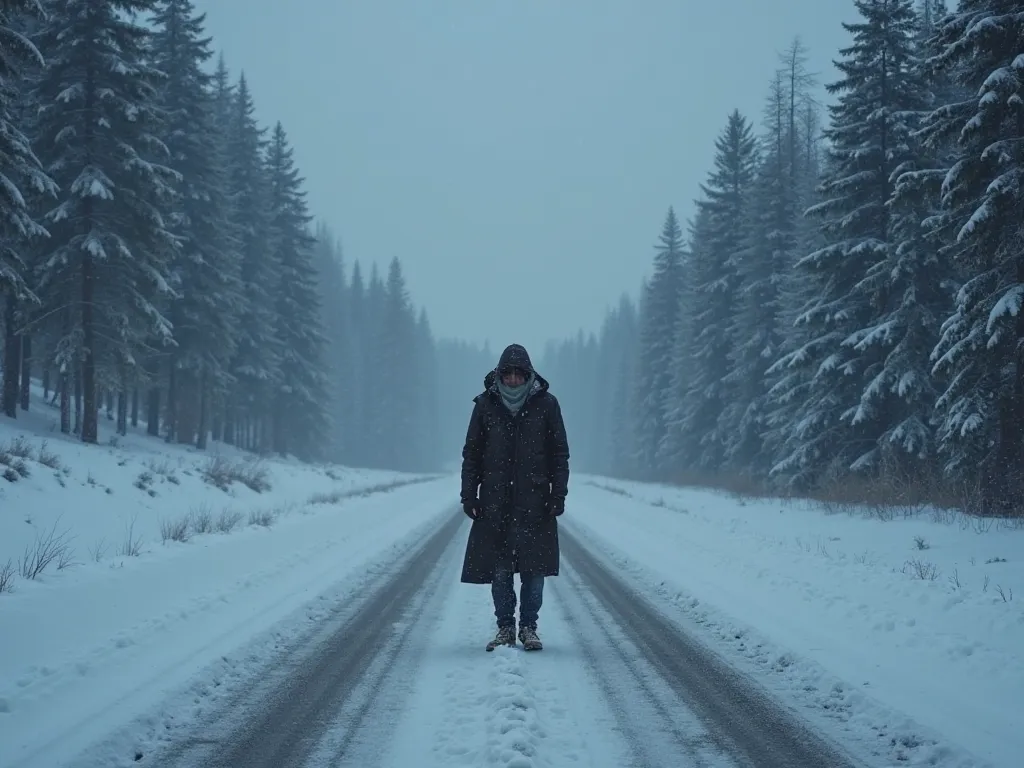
x=26 y=372
x=135 y=406
x=12 y=360
x=64 y=382
x=46 y=383
x=203 y=428
x=188 y=407
x=122 y=411
x=76 y=372
x=90 y=404
x=153 y=412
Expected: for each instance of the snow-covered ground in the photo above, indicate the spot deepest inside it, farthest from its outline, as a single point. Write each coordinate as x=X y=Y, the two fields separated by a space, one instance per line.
x=157 y=559
x=906 y=632
x=902 y=637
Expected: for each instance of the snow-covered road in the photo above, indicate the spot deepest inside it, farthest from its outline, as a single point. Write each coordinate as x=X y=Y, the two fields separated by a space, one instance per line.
x=681 y=632
x=400 y=678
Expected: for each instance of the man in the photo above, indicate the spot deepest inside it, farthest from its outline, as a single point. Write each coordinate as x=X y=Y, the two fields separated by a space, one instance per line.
x=517 y=456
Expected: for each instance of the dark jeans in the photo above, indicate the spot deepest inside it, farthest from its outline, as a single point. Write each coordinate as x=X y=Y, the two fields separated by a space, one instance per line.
x=531 y=597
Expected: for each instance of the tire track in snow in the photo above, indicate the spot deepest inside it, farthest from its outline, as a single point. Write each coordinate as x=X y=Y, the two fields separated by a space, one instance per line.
x=326 y=682
x=738 y=716
x=659 y=728
x=466 y=708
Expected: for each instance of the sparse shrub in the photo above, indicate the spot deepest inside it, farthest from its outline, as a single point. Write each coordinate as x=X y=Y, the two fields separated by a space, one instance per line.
x=221 y=473
x=144 y=480
x=201 y=520
x=11 y=476
x=44 y=551
x=920 y=543
x=66 y=560
x=330 y=497
x=174 y=530
x=919 y=569
x=90 y=480
x=48 y=458
x=159 y=468
x=99 y=551
x=20 y=448
x=217 y=472
x=7 y=577
x=255 y=476
x=131 y=545
x=261 y=517
x=228 y=520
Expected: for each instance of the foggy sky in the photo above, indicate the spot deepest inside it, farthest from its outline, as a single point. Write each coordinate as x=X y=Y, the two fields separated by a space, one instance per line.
x=519 y=157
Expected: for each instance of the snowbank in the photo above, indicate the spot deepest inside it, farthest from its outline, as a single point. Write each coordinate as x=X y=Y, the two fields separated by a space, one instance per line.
x=67 y=508
x=83 y=658
x=855 y=619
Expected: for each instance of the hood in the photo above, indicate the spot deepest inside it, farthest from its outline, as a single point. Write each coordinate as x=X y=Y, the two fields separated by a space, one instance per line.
x=515 y=356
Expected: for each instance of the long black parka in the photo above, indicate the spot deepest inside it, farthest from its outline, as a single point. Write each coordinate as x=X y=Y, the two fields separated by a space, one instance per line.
x=519 y=464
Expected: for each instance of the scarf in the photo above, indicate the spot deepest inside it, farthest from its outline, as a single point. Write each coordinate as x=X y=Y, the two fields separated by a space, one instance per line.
x=514 y=397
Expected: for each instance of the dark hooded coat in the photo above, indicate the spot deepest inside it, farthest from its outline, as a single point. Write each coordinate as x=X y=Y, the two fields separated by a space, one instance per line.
x=514 y=466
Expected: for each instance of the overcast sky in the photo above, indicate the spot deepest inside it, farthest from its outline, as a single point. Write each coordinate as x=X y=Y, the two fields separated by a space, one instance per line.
x=519 y=157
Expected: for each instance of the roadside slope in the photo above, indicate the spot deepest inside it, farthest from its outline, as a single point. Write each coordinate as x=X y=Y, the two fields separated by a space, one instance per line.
x=79 y=661
x=837 y=614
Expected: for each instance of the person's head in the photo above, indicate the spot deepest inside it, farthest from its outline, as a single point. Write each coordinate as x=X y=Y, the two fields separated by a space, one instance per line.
x=514 y=367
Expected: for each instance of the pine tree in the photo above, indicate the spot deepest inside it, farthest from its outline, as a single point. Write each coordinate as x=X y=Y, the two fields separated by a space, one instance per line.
x=334 y=313
x=982 y=409
x=378 y=375
x=714 y=281
x=849 y=396
x=357 y=397
x=424 y=457
x=206 y=269
x=396 y=358
x=110 y=248
x=774 y=293
x=22 y=177
x=257 y=362
x=658 y=325
x=300 y=404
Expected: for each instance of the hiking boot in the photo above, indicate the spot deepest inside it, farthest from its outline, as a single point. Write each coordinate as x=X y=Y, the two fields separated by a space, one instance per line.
x=505 y=636
x=528 y=636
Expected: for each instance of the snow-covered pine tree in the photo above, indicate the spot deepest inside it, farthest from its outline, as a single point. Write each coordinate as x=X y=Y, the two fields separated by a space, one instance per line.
x=869 y=132
x=206 y=269
x=359 y=328
x=775 y=293
x=620 y=368
x=300 y=414
x=917 y=283
x=658 y=325
x=98 y=138
x=767 y=258
x=377 y=376
x=397 y=357
x=711 y=306
x=980 y=350
x=21 y=178
x=334 y=311
x=426 y=397
x=257 y=362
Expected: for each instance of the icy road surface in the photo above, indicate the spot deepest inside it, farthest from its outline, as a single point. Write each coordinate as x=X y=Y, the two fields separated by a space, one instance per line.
x=399 y=677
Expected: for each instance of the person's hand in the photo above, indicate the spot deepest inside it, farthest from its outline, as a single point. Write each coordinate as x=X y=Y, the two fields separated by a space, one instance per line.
x=472 y=509
x=556 y=507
